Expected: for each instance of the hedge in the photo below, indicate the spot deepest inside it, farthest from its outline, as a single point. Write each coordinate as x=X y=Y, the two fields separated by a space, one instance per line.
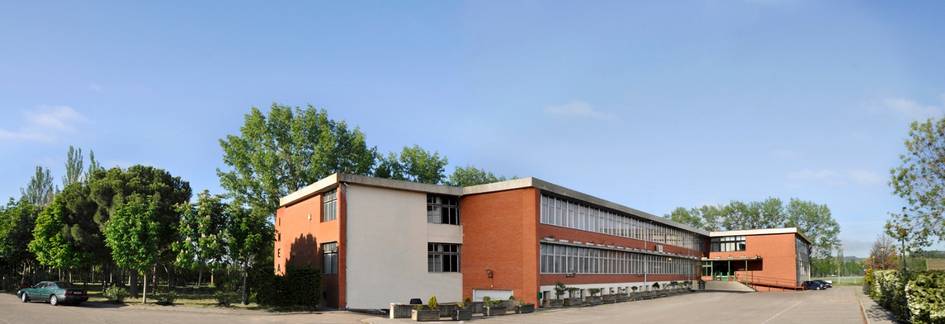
x=300 y=286
x=919 y=298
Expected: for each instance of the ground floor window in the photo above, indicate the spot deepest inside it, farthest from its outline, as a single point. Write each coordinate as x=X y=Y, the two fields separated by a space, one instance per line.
x=443 y=257
x=330 y=258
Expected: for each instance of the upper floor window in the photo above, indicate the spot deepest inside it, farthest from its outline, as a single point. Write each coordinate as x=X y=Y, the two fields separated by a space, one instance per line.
x=329 y=208
x=442 y=257
x=728 y=244
x=330 y=258
x=442 y=209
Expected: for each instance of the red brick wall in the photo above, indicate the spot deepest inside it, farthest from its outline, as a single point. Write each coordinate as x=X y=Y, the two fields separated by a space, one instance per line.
x=299 y=241
x=778 y=266
x=499 y=234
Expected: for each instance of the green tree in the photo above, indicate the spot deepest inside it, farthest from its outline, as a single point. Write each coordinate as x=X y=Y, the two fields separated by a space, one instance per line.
x=816 y=222
x=248 y=237
x=471 y=176
x=202 y=233
x=40 y=190
x=17 y=220
x=52 y=244
x=287 y=149
x=133 y=234
x=689 y=217
x=883 y=254
x=67 y=227
x=413 y=164
x=920 y=181
x=74 y=168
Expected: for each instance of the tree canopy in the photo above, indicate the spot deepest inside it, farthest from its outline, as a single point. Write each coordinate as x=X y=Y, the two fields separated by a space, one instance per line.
x=471 y=176
x=17 y=220
x=40 y=190
x=413 y=164
x=812 y=219
x=920 y=181
x=287 y=149
x=202 y=232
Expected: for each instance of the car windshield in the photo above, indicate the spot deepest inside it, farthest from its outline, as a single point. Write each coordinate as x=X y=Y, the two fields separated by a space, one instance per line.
x=39 y=285
x=63 y=285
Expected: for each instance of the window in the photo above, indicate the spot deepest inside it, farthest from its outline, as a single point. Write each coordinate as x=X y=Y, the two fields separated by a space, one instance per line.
x=330 y=258
x=442 y=209
x=328 y=206
x=442 y=257
x=728 y=244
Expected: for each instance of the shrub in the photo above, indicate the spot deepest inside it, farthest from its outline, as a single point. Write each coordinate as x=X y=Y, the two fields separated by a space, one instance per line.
x=166 y=299
x=889 y=291
x=432 y=304
x=487 y=302
x=225 y=297
x=656 y=285
x=868 y=282
x=560 y=288
x=594 y=291
x=300 y=286
x=116 y=294
x=925 y=294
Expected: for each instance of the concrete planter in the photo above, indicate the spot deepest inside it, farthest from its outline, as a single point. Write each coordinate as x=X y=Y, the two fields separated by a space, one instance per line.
x=447 y=310
x=554 y=303
x=623 y=298
x=495 y=310
x=400 y=310
x=462 y=314
x=525 y=309
x=610 y=299
x=425 y=315
x=594 y=300
x=572 y=302
x=477 y=307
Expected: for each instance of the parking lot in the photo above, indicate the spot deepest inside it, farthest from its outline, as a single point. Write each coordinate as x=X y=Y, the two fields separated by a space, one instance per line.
x=837 y=305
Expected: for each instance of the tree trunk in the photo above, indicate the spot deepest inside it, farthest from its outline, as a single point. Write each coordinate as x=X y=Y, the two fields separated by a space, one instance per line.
x=133 y=284
x=154 y=283
x=245 y=298
x=199 y=277
x=212 y=283
x=144 y=294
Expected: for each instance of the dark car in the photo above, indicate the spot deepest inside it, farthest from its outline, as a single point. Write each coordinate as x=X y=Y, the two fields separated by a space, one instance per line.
x=813 y=285
x=825 y=283
x=53 y=292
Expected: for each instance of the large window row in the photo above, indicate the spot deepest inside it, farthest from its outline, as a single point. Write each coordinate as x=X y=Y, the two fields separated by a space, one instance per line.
x=727 y=244
x=565 y=213
x=564 y=259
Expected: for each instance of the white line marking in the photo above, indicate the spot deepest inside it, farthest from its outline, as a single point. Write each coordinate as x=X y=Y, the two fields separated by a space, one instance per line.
x=782 y=312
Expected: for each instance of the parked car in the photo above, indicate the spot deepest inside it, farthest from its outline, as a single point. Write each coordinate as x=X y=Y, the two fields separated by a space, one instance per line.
x=825 y=283
x=813 y=285
x=53 y=292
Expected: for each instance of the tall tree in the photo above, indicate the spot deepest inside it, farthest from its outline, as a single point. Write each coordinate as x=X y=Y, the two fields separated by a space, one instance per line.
x=816 y=222
x=133 y=234
x=920 y=181
x=94 y=166
x=413 y=164
x=286 y=149
x=471 y=176
x=202 y=233
x=74 y=168
x=248 y=237
x=66 y=235
x=17 y=220
x=40 y=190
x=883 y=254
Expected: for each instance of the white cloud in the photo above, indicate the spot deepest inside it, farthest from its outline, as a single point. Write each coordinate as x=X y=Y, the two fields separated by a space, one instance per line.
x=837 y=178
x=913 y=110
x=577 y=109
x=44 y=124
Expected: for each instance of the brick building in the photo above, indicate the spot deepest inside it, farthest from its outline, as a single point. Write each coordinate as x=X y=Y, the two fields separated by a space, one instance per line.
x=379 y=241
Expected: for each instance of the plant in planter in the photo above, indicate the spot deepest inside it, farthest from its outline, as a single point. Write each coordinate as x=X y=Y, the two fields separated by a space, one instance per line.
x=672 y=286
x=492 y=307
x=594 y=299
x=610 y=298
x=560 y=288
x=573 y=299
x=429 y=313
x=656 y=290
x=463 y=310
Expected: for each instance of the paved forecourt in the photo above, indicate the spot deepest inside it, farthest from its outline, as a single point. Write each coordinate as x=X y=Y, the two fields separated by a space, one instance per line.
x=837 y=305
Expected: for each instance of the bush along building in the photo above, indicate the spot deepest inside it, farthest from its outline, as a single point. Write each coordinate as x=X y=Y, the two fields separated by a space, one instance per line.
x=380 y=241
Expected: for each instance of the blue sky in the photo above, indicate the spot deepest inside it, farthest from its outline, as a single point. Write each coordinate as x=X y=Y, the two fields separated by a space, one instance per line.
x=650 y=104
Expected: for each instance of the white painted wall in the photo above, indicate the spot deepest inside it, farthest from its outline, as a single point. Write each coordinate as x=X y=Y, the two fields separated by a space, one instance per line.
x=387 y=235
x=605 y=287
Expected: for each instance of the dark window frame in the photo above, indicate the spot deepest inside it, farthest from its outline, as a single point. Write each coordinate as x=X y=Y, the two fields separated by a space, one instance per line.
x=329 y=206
x=444 y=257
x=443 y=209
x=330 y=258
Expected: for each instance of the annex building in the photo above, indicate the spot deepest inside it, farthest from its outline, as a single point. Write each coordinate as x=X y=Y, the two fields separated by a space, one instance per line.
x=379 y=241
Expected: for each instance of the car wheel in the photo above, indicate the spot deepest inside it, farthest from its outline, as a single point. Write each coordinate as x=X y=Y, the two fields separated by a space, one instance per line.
x=53 y=300
x=24 y=298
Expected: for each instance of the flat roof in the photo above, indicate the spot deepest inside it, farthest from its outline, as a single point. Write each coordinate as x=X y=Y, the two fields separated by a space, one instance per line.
x=765 y=231
x=330 y=182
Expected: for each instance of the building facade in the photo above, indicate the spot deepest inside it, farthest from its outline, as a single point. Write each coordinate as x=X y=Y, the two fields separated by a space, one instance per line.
x=380 y=241
x=765 y=259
